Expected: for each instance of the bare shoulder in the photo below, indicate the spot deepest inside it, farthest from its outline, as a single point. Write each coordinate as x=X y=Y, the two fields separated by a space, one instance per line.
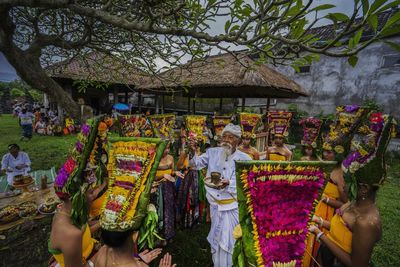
x=369 y=223
x=170 y=158
x=65 y=232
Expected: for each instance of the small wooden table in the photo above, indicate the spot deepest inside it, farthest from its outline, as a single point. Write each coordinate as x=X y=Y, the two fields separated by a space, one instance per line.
x=24 y=242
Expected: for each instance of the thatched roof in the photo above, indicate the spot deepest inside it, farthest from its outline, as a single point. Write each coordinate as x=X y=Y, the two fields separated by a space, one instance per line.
x=224 y=76
x=97 y=67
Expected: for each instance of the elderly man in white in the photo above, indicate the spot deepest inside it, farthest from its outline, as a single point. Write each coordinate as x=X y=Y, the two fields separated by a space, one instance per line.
x=223 y=202
x=15 y=163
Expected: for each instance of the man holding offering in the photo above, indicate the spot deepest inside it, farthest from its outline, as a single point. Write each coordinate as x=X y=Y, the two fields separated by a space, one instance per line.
x=222 y=198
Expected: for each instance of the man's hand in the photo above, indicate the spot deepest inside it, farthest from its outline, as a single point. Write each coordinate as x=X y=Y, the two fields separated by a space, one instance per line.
x=225 y=181
x=20 y=166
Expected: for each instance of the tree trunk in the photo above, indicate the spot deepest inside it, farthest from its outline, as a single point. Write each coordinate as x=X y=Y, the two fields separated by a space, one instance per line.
x=29 y=69
x=27 y=64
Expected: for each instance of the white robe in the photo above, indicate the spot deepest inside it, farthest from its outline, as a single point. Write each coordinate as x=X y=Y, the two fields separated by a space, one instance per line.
x=225 y=217
x=9 y=164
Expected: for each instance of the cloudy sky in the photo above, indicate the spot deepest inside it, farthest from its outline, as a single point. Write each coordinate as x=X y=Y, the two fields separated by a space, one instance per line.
x=7 y=72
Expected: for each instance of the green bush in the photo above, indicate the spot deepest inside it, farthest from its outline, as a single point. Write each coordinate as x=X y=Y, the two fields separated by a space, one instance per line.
x=15 y=92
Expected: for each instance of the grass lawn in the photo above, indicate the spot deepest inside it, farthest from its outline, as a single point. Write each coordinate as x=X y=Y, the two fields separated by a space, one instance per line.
x=44 y=151
x=190 y=247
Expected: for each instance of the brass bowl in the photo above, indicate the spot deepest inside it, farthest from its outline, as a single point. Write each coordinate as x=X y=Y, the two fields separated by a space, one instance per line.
x=216 y=178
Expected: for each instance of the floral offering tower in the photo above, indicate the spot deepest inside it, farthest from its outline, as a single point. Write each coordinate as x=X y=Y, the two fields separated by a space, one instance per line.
x=248 y=124
x=85 y=167
x=348 y=119
x=366 y=160
x=219 y=123
x=311 y=128
x=131 y=125
x=195 y=126
x=276 y=204
x=163 y=125
x=278 y=122
x=132 y=165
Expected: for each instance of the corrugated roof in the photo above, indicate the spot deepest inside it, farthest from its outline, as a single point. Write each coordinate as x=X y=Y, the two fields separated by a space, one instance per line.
x=328 y=32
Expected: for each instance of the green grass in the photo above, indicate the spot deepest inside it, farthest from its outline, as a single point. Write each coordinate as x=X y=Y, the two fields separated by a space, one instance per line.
x=190 y=247
x=44 y=151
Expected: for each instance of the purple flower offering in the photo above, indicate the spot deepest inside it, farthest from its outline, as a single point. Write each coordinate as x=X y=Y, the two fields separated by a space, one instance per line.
x=351 y=108
x=61 y=178
x=85 y=129
x=79 y=146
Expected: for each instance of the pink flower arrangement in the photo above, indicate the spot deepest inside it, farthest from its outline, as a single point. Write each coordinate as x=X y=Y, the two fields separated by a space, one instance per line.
x=281 y=209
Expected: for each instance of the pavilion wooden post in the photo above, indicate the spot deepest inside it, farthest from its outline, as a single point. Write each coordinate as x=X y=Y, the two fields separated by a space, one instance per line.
x=126 y=97
x=188 y=105
x=220 y=105
x=243 y=103
x=267 y=138
x=157 y=111
x=194 y=105
x=115 y=94
x=162 y=104
x=140 y=102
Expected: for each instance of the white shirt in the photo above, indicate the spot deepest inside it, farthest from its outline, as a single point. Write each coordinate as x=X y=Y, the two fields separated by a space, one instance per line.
x=9 y=164
x=27 y=118
x=216 y=160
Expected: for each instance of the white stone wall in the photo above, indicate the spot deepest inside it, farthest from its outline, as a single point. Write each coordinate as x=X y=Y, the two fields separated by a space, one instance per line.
x=332 y=82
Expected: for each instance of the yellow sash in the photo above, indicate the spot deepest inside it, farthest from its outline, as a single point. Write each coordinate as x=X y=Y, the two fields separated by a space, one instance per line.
x=225 y=201
x=276 y=157
x=340 y=234
x=97 y=204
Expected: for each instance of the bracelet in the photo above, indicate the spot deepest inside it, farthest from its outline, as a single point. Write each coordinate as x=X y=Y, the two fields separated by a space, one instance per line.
x=321 y=221
x=327 y=200
x=319 y=235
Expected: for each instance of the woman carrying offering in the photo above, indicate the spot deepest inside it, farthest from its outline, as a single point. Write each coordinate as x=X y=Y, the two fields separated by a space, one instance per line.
x=356 y=227
x=335 y=146
x=311 y=128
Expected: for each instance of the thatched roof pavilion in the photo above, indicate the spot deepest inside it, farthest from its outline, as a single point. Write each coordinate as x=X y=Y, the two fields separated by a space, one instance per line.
x=223 y=76
x=97 y=67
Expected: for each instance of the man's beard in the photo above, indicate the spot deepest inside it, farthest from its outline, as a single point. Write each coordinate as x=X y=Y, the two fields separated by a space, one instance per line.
x=228 y=148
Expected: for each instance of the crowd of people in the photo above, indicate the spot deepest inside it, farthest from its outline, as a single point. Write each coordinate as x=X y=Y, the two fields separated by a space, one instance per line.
x=37 y=119
x=201 y=183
